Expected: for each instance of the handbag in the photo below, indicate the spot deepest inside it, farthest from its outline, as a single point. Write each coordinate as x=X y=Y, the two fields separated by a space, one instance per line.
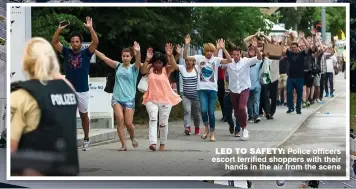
x=143 y=84
x=110 y=81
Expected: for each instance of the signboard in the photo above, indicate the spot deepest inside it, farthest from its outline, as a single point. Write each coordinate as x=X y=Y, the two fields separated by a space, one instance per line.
x=86 y=45
x=100 y=101
x=20 y=19
x=272 y=50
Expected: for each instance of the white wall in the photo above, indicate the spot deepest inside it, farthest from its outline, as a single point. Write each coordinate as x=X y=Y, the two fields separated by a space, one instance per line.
x=21 y=33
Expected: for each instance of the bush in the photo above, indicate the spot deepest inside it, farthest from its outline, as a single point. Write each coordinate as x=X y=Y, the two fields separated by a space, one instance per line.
x=2 y=42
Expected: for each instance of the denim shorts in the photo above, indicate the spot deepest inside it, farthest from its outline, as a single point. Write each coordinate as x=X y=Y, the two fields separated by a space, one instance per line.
x=125 y=105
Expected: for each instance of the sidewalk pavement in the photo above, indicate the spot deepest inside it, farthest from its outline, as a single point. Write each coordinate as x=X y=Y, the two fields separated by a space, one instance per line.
x=184 y=153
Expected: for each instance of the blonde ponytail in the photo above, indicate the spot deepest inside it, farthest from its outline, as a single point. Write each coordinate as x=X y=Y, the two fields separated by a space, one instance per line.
x=40 y=60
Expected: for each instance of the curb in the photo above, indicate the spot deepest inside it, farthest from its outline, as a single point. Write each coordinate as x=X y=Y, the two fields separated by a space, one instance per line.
x=302 y=122
x=106 y=138
x=98 y=138
x=112 y=137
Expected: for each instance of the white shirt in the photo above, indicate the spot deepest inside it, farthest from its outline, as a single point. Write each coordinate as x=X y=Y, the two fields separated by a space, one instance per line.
x=208 y=72
x=274 y=70
x=330 y=63
x=239 y=74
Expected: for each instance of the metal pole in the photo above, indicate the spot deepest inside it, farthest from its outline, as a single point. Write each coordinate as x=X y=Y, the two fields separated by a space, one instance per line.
x=323 y=24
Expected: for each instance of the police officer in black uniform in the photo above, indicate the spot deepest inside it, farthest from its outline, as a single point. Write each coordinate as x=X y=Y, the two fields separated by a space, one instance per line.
x=50 y=148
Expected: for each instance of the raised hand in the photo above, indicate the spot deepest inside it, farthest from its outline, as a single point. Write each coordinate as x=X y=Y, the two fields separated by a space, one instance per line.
x=286 y=33
x=221 y=43
x=149 y=54
x=89 y=22
x=254 y=43
x=301 y=35
x=187 y=39
x=136 y=46
x=62 y=27
x=313 y=32
x=169 y=49
x=178 y=49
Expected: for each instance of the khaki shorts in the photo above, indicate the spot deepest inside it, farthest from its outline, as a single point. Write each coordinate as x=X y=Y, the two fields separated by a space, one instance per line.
x=282 y=81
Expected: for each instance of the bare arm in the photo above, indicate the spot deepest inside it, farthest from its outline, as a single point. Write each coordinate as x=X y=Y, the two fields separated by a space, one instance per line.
x=55 y=39
x=137 y=50
x=258 y=53
x=104 y=58
x=185 y=50
x=307 y=45
x=173 y=64
x=95 y=41
x=228 y=59
x=145 y=67
x=266 y=38
x=247 y=39
x=14 y=145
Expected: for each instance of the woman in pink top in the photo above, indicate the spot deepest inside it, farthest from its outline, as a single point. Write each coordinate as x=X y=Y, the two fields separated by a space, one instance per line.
x=159 y=97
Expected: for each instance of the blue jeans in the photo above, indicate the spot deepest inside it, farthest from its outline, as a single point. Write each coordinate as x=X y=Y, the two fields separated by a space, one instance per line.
x=228 y=113
x=253 y=105
x=297 y=84
x=207 y=105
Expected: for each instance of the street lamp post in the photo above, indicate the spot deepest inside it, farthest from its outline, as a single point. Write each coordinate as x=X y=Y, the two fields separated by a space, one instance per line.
x=323 y=24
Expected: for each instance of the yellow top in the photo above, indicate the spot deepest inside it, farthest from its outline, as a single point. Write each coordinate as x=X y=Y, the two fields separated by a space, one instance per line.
x=25 y=114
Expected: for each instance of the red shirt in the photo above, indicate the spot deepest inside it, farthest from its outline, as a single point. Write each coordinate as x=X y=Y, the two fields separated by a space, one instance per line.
x=221 y=73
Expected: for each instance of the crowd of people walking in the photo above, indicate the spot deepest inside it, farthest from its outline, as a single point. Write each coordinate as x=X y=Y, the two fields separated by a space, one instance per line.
x=248 y=82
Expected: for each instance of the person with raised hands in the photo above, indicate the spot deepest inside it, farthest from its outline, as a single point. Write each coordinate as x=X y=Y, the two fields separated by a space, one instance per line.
x=159 y=97
x=190 y=97
x=123 y=98
x=240 y=83
x=208 y=66
x=77 y=64
x=295 y=79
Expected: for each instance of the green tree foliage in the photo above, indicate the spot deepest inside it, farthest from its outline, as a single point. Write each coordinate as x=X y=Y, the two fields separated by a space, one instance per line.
x=152 y=27
x=305 y=17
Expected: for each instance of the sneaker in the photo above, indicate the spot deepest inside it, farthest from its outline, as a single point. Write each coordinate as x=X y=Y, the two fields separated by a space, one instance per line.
x=299 y=112
x=304 y=105
x=244 y=134
x=197 y=131
x=326 y=95
x=290 y=111
x=318 y=100
x=231 y=129
x=257 y=120
x=269 y=116
x=250 y=119
x=187 y=131
x=86 y=145
x=331 y=95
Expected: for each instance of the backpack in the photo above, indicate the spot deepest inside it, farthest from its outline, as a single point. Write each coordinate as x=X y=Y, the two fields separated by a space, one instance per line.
x=110 y=81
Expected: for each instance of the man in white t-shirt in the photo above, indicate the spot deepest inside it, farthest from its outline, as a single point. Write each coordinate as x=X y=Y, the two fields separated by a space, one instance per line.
x=331 y=62
x=239 y=73
x=207 y=81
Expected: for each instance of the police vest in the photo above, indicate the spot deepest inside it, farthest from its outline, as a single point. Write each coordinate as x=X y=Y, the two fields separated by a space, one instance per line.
x=57 y=131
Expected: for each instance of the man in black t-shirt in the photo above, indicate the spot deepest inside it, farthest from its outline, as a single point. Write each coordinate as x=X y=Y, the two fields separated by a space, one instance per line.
x=308 y=76
x=296 y=74
x=282 y=81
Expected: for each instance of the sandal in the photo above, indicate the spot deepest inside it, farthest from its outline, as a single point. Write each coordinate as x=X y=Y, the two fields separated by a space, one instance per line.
x=134 y=142
x=204 y=136
x=124 y=148
x=152 y=147
x=212 y=137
